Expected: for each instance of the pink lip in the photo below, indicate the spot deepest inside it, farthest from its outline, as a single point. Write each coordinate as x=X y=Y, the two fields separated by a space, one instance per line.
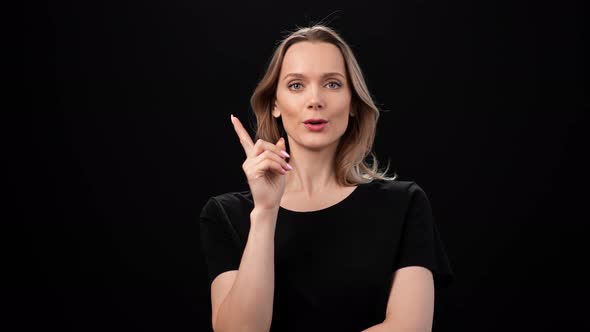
x=315 y=120
x=316 y=127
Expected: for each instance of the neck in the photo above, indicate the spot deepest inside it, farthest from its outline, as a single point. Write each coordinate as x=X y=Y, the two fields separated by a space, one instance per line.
x=313 y=170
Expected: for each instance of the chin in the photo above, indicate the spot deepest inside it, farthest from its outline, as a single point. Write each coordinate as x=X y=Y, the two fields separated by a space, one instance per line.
x=319 y=143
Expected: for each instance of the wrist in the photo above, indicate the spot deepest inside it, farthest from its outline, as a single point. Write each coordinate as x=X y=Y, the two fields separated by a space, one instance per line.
x=261 y=214
x=265 y=210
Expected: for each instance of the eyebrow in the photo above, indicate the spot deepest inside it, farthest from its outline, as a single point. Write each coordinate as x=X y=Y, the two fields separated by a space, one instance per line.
x=323 y=75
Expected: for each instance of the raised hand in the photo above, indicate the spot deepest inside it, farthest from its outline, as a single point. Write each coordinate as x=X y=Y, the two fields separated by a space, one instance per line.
x=265 y=168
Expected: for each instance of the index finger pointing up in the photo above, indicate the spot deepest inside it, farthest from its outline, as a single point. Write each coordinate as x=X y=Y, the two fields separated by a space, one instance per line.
x=243 y=135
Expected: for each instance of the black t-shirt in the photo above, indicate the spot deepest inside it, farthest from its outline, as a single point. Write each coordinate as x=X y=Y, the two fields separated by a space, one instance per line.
x=334 y=266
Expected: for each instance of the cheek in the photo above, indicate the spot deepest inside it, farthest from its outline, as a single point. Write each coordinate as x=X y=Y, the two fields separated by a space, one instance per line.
x=341 y=101
x=286 y=100
x=344 y=121
x=344 y=112
x=292 y=100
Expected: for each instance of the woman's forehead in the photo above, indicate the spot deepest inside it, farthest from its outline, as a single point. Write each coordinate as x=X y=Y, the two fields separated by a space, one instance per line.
x=312 y=59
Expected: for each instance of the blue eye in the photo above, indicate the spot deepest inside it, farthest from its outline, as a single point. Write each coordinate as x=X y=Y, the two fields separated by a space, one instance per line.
x=332 y=82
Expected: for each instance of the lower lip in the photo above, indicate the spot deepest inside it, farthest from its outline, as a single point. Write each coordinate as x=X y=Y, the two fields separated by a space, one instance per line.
x=316 y=127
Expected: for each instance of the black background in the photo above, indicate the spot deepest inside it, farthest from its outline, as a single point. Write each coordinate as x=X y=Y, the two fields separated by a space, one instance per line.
x=125 y=132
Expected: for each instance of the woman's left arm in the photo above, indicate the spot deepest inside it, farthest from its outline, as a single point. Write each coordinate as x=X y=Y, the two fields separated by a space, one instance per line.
x=411 y=302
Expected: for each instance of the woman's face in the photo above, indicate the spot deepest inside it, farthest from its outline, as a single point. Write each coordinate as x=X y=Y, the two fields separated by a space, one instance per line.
x=312 y=85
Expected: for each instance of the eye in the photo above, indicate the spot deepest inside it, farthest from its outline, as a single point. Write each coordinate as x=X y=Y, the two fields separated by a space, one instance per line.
x=335 y=82
x=296 y=83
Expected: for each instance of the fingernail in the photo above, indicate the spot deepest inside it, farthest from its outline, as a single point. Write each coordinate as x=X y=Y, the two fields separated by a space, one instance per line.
x=285 y=153
x=289 y=166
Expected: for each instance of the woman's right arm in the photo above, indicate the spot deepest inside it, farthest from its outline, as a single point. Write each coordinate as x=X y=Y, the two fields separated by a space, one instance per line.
x=249 y=303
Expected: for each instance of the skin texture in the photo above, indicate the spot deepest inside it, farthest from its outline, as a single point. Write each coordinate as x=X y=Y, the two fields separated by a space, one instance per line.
x=264 y=168
x=411 y=301
x=312 y=95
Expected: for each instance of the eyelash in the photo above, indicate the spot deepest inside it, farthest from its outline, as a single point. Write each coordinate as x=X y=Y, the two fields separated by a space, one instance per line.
x=338 y=83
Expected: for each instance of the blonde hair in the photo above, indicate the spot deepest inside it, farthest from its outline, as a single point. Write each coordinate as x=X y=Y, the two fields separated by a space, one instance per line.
x=357 y=141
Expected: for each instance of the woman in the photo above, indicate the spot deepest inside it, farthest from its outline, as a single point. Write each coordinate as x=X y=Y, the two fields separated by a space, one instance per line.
x=322 y=241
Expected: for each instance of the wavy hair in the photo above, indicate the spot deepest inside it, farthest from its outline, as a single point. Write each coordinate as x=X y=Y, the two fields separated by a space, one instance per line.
x=357 y=141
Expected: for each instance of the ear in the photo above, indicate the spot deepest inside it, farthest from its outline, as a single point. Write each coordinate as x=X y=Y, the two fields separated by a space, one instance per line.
x=275 y=112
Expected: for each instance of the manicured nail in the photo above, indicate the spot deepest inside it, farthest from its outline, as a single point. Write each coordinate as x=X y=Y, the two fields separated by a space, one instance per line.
x=289 y=166
x=285 y=154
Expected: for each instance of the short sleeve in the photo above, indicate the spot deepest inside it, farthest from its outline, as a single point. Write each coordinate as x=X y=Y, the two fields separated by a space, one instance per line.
x=218 y=244
x=421 y=244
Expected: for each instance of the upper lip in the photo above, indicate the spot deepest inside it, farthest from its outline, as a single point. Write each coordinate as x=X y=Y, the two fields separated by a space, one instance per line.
x=314 y=120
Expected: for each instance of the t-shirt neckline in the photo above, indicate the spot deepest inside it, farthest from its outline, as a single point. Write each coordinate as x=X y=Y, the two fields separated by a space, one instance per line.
x=342 y=202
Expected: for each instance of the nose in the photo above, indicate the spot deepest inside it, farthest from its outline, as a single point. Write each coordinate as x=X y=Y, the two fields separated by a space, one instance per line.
x=315 y=99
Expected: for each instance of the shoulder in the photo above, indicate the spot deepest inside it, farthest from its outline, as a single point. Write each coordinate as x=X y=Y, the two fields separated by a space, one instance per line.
x=396 y=188
x=392 y=185
x=233 y=199
x=395 y=194
x=229 y=204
